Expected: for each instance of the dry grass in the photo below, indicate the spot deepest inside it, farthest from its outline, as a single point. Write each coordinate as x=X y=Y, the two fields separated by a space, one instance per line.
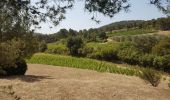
x=46 y=82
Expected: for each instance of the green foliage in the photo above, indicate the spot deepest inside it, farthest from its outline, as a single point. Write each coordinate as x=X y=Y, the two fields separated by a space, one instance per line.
x=19 y=68
x=83 y=63
x=159 y=62
x=162 y=48
x=147 y=60
x=12 y=52
x=145 y=43
x=163 y=23
x=102 y=35
x=129 y=55
x=74 y=44
x=125 y=52
x=151 y=76
x=42 y=46
x=102 y=51
x=57 y=48
x=130 y=32
x=8 y=53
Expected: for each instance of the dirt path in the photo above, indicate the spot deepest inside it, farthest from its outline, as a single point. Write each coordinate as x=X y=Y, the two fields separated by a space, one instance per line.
x=45 y=82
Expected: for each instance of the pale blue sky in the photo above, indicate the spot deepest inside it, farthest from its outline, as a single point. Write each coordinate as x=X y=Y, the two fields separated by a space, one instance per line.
x=78 y=19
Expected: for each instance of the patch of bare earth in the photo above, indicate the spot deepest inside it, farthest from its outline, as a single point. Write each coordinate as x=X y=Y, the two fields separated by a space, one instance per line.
x=45 y=82
x=163 y=33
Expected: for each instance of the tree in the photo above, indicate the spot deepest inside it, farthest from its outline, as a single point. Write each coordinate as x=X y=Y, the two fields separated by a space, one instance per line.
x=38 y=11
x=42 y=46
x=16 y=40
x=102 y=35
x=74 y=44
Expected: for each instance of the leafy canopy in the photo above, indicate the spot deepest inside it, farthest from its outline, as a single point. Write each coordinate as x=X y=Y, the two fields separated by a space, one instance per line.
x=37 y=11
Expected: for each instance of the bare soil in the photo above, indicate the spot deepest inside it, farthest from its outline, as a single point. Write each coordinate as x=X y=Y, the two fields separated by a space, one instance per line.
x=45 y=82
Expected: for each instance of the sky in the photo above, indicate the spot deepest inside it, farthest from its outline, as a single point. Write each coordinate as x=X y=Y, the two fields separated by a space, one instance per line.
x=79 y=19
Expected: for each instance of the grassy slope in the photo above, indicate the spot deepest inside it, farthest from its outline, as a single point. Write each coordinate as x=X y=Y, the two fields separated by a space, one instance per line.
x=83 y=63
x=130 y=32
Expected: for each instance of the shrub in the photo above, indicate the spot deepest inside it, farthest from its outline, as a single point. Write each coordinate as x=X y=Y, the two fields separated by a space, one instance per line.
x=129 y=55
x=102 y=51
x=162 y=48
x=19 y=68
x=146 y=60
x=151 y=76
x=12 y=53
x=145 y=43
x=42 y=46
x=102 y=35
x=74 y=44
x=57 y=48
x=167 y=63
x=159 y=62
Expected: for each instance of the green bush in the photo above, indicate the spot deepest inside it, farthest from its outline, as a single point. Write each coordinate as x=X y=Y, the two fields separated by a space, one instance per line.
x=57 y=48
x=159 y=62
x=167 y=63
x=129 y=55
x=162 y=48
x=19 y=68
x=12 y=54
x=145 y=43
x=74 y=44
x=146 y=60
x=151 y=76
x=42 y=46
x=101 y=51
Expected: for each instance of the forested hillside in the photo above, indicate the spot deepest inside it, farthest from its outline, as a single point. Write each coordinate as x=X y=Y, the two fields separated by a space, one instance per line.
x=118 y=28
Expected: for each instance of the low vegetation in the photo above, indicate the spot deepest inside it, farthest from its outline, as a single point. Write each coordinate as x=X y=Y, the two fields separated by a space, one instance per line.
x=149 y=52
x=129 y=32
x=57 y=48
x=151 y=76
x=83 y=63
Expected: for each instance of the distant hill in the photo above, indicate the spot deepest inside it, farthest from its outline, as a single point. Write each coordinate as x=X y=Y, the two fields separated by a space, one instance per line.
x=117 y=25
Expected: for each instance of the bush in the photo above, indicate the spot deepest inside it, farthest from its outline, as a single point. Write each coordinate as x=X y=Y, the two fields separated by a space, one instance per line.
x=57 y=48
x=19 y=68
x=146 y=60
x=162 y=48
x=151 y=76
x=101 y=51
x=167 y=63
x=102 y=35
x=12 y=54
x=145 y=43
x=42 y=46
x=129 y=55
x=74 y=44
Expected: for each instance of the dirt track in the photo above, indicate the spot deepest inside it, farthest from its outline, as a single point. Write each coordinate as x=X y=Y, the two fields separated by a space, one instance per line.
x=44 y=82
